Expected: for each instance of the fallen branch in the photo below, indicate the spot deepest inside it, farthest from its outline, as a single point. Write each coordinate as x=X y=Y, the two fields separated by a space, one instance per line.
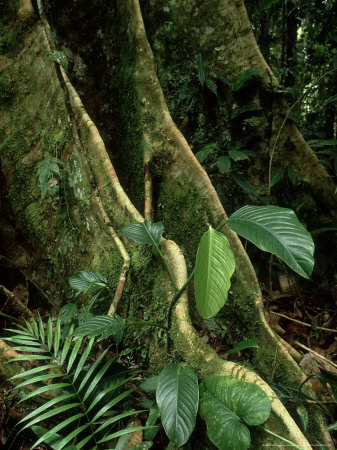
x=316 y=354
x=330 y=330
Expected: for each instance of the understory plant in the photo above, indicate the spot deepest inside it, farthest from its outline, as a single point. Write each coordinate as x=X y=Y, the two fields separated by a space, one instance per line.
x=79 y=387
x=85 y=396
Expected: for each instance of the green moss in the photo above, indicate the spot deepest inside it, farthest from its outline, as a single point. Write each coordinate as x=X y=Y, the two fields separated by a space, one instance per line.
x=7 y=88
x=184 y=214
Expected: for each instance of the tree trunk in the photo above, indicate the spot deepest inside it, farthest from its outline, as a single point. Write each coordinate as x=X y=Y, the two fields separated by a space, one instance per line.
x=43 y=116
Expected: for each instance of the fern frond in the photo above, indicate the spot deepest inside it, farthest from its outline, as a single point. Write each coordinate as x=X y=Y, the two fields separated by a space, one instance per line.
x=114 y=419
x=80 y=391
x=44 y=389
x=71 y=436
x=49 y=332
x=106 y=391
x=57 y=337
x=47 y=405
x=83 y=358
x=112 y=436
x=51 y=413
x=74 y=354
x=41 y=329
x=57 y=428
x=30 y=372
x=66 y=345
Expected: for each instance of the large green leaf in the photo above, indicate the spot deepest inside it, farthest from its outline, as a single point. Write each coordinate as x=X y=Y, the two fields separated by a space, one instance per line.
x=144 y=232
x=102 y=325
x=276 y=230
x=226 y=405
x=214 y=267
x=177 y=397
x=87 y=281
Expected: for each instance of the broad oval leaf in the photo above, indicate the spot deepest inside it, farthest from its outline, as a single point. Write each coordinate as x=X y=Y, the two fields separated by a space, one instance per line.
x=278 y=175
x=87 y=281
x=224 y=164
x=243 y=345
x=177 y=397
x=106 y=325
x=276 y=230
x=144 y=232
x=224 y=403
x=214 y=267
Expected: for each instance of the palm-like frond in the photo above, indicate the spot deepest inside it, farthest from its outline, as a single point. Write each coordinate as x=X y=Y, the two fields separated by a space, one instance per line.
x=70 y=382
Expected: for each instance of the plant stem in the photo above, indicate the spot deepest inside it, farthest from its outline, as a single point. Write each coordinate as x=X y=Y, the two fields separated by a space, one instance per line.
x=259 y=427
x=168 y=268
x=177 y=296
x=151 y=324
x=221 y=225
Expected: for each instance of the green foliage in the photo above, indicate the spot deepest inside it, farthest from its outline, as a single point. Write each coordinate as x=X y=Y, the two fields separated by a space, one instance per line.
x=7 y=88
x=242 y=80
x=228 y=406
x=292 y=175
x=201 y=70
x=276 y=230
x=224 y=164
x=103 y=326
x=278 y=175
x=177 y=398
x=328 y=154
x=144 y=232
x=70 y=315
x=214 y=267
x=245 y=78
x=85 y=394
x=94 y=282
x=59 y=57
x=245 y=185
x=243 y=345
x=266 y=4
x=50 y=174
x=203 y=154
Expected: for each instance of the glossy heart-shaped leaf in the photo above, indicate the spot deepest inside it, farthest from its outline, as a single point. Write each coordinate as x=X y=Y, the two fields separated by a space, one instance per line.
x=177 y=397
x=144 y=232
x=214 y=267
x=276 y=230
x=225 y=403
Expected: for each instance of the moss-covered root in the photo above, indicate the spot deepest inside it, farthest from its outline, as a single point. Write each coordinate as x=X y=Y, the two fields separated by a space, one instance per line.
x=183 y=163
x=124 y=254
x=205 y=360
x=25 y=11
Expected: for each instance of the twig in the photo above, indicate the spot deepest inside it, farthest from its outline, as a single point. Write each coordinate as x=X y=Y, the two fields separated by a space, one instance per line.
x=330 y=330
x=126 y=265
x=16 y=300
x=316 y=354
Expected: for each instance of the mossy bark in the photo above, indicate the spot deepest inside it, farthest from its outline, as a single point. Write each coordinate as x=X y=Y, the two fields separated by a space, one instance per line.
x=71 y=232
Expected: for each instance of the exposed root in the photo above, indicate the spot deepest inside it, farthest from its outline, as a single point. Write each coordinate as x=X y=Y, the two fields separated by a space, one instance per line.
x=124 y=254
x=104 y=171
x=205 y=360
x=148 y=213
x=120 y=211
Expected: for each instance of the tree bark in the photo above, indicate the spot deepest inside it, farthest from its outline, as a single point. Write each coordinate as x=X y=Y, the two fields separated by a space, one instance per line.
x=73 y=232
